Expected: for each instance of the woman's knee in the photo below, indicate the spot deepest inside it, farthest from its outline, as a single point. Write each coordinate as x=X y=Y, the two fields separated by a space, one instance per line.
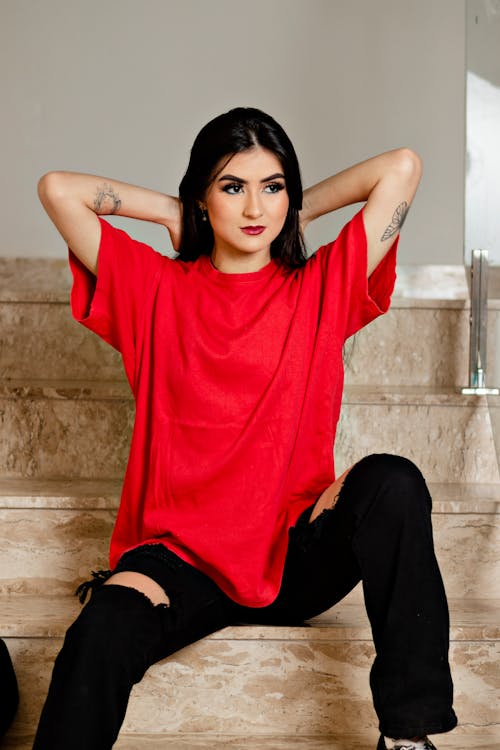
x=142 y=583
x=389 y=466
x=117 y=621
x=397 y=478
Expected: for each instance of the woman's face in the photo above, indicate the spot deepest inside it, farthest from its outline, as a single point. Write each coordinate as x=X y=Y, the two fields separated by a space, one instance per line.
x=247 y=205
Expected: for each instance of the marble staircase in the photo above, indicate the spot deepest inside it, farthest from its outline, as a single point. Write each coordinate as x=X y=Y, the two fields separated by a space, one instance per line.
x=65 y=421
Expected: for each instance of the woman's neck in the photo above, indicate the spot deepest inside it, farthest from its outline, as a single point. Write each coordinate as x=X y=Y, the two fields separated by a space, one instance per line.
x=240 y=262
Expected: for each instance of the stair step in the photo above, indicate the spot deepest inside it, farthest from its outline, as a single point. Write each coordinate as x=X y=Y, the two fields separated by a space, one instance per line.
x=41 y=340
x=49 y=280
x=48 y=616
x=54 y=533
x=67 y=494
x=422 y=340
x=472 y=738
x=34 y=280
x=253 y=680
x=82 y=429
x=425 y=346
x=449 y=436
x=66 y=413
x=64 y=428
x=92 y=494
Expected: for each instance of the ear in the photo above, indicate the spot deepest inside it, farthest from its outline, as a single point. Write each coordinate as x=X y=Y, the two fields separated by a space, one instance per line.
x=202 y=206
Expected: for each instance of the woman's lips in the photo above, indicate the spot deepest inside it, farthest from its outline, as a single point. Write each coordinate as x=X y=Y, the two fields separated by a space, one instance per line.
x=252 y=230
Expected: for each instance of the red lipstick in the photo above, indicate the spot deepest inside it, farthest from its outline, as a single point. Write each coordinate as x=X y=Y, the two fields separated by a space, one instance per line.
x=252 y=230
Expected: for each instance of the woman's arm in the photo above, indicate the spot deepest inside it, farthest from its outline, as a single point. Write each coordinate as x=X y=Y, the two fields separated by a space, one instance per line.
x=73 y=201
x=386 y=182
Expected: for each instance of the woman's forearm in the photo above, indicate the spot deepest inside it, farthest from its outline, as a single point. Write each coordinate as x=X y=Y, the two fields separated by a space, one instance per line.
x=72 y=200
x=355 y=184
x=105 y=196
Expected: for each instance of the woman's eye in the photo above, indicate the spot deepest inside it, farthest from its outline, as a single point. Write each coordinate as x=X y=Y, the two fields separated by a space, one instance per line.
x=274 y=187
x=233 y=188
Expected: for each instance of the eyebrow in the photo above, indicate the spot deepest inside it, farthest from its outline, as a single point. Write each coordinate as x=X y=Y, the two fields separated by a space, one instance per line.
x=232 y=178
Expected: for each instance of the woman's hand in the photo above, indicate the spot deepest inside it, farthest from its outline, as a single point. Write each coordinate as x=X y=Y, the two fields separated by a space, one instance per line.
x=173 y=221
x=303 y=221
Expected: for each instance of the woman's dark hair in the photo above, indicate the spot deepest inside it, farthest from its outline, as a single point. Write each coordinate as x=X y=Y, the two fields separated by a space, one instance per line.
x=235 y=131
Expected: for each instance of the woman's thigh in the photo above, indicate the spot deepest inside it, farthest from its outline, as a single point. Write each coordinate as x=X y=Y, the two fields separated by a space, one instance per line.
x=326 y=554
x=328 y=497
x=320 y=568
x=140 y=582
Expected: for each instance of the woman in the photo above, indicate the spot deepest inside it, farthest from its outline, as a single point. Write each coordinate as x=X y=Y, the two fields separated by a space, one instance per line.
x=230 y=510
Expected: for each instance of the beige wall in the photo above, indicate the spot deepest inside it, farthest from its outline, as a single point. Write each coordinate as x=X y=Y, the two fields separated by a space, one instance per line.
x=120 y=88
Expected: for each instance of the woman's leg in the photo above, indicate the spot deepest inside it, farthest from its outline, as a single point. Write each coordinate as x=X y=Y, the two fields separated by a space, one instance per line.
x=129 y=624
x=379 y=531
x=8 y=689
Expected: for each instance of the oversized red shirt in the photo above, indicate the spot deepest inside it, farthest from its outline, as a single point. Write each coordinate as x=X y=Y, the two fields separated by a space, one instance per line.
x=237 y=380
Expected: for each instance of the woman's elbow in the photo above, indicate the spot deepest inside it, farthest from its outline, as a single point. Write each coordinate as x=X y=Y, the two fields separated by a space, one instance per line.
x=408 y=164
x=51 y=187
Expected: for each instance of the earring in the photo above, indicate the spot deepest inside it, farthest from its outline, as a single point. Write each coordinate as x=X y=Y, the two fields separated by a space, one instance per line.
x=204 y=214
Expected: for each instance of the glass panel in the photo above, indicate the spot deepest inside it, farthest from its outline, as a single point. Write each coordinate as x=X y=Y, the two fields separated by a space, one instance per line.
x=482 y=184
x=482 y=188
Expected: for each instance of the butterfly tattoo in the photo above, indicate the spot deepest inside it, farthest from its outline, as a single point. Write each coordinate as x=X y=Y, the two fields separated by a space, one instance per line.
x=397 y=222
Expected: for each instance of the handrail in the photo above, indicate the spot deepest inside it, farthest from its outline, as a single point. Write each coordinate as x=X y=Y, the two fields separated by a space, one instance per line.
x=478 y=327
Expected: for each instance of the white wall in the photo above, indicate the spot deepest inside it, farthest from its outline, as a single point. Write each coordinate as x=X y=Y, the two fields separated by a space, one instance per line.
x=120 y=88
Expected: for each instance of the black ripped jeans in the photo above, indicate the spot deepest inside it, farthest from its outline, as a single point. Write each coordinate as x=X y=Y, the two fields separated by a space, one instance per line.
x=378 y=532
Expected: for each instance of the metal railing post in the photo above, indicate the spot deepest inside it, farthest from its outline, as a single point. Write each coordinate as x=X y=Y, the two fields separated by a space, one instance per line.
x=478 y=327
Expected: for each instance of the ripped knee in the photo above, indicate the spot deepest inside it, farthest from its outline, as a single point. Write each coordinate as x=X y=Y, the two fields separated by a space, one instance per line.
x=146 y=585
x=328 y=499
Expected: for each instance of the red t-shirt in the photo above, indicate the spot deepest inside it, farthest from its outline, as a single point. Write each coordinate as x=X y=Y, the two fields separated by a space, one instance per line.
x=237 y=380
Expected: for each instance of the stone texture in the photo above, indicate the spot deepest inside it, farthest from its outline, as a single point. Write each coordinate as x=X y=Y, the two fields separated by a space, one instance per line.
x=52 y=550
x=67 y=528
x=417 y=283
x=83 y=430
x=254 y=687
x=448 y=441
x=468 y=551
x=213 y=742
x=64 y=432
x=314 y=688
x=456 y=497
x=494 y=407
x=42 y=616
x=67 y=494
x=472 y=738
x=65 y=423
x=423 y=346
x=30 y=279
x=412 y=346
x=284 y=687
x=423 y=340
x=49 y=279
x=40 y=340
x=87 y=494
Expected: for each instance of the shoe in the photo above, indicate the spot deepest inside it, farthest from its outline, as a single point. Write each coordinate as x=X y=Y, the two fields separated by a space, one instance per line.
x=423 y=744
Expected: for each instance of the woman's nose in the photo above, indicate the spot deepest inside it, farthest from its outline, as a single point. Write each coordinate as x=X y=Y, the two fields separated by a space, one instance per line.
x=253 y=206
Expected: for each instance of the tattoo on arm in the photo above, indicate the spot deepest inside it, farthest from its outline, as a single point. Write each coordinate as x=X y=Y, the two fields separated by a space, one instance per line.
x=106 y=200
x=398 y=219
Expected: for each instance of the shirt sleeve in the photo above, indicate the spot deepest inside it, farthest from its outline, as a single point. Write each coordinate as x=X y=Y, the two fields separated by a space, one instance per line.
x=112 y=304
x=356 y=299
